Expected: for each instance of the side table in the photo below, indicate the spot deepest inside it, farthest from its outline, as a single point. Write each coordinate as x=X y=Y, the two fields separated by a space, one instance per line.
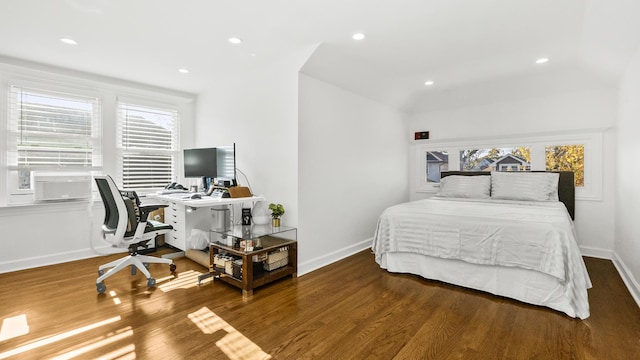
x=254 y=246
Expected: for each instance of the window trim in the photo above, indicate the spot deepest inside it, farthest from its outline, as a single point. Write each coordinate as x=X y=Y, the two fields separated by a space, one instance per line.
x=164 y=104
x=590 y=138
x=24 y=73
x=13 y=194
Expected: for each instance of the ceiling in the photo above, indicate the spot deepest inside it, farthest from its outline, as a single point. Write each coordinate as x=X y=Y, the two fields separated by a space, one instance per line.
x=475 y=51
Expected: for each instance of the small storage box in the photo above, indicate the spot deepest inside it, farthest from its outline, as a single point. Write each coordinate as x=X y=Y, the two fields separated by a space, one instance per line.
x=220 y=262
x=236 y=269
x=259 y=258
x=276 y=265
x=277 y=259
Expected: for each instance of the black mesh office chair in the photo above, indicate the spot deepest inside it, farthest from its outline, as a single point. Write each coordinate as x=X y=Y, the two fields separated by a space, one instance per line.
x=126 y=224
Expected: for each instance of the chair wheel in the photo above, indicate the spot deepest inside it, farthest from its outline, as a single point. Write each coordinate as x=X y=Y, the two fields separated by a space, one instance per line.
x=172 y=267
x=100 y=272
x=101 y=288
x=151 y=282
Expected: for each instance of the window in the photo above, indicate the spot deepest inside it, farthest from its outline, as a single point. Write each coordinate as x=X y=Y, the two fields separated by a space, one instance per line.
x=51 y=131
x=148 y=145
x=496 y=159
x=566 y=158
x=577 y=151
x=436 y=162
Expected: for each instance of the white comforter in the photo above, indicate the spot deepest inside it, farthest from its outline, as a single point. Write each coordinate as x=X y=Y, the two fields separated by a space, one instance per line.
x=536 y=236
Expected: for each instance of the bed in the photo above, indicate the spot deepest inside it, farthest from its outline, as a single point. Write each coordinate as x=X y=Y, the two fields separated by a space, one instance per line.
x=509 y=234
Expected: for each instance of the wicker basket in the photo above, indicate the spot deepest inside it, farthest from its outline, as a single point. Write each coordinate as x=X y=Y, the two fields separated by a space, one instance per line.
x=276 y=259
x=276 y=265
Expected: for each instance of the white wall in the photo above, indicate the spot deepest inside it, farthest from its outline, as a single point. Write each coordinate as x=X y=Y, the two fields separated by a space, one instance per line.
x=272 y=117
x=627 y=234
x=589 y=109
x=33 y=235
x=352 y=165
x=257 y=108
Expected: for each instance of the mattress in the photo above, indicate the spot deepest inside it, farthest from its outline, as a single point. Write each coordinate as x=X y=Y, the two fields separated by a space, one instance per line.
x=519 y=249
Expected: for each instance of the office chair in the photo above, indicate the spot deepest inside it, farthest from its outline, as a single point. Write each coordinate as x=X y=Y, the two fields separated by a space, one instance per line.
x=126 y=224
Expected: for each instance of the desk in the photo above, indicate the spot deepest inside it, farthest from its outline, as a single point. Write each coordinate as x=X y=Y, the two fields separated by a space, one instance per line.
x=185 y=214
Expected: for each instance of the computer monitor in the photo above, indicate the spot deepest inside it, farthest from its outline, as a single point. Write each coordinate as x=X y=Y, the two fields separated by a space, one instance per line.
x=226 y=162
x=200 y=163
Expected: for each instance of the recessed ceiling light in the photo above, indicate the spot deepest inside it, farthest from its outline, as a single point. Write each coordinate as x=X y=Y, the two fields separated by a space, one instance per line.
x=235 y=40
x=429 y=83
x=358 y=36
x=69 y=41
x=542 y=61
x=183 y=71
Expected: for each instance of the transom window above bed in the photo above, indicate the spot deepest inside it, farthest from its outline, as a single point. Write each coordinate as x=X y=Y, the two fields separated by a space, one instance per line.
x=566 y=158
x=437 y=162
x=580 y=153
x=496 y=159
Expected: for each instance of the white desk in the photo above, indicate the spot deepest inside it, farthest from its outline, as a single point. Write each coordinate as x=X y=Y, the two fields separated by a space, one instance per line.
x=185 y=214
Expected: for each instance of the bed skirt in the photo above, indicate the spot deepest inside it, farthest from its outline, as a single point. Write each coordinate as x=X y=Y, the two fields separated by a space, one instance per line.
x=528 y=286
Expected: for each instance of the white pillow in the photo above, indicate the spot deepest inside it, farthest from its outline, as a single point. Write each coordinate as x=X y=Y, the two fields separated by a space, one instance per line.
x=524 y=186
x=475 y=187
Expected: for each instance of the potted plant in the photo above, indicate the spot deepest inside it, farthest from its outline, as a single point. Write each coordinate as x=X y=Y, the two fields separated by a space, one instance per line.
x=276 y=211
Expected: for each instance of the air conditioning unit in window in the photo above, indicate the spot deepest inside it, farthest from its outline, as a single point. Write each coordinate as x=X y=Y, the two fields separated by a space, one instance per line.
x=60 y=186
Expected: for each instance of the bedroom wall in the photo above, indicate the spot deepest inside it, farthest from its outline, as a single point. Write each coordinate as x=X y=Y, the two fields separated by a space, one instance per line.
x=256 y=107
x=627 y=234
x=352 y=165
x=588 y=109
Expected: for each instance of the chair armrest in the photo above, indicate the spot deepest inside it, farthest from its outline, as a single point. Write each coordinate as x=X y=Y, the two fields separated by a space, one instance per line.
x=146 y=209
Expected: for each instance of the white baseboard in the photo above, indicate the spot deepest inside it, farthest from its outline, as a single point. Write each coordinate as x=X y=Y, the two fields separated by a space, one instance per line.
x=324 y=260
x=627 y=277
x=596 y=252
x=38 y=261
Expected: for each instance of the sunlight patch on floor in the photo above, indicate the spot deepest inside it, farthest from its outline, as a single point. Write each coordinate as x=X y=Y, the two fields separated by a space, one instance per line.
x=14 y=327
x=124 y=353
x=116 y=300
x=235 y=345
x=183 y=280
x=99 y=342
x=54 y=338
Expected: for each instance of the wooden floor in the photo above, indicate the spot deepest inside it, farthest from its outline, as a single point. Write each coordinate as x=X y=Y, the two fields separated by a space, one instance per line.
x=349 y=310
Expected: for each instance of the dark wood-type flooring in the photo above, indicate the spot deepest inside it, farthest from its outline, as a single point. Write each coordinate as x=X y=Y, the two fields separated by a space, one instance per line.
x=349 y=310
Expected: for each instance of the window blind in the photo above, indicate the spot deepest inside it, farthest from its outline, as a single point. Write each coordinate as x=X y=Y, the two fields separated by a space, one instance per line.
x=148 y=145
x=51 y=130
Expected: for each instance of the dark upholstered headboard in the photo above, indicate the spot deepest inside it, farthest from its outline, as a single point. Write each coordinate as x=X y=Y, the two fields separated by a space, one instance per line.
x=566 y=186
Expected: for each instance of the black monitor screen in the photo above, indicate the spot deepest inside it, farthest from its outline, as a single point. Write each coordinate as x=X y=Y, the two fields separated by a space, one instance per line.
x=200 y=162
x=226 y=162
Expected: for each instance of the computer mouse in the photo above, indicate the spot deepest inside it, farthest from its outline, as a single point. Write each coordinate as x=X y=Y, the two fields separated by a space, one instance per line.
x=196 y=196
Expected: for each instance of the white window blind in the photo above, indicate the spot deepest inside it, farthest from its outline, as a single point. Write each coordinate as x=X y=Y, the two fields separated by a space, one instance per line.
x=53 y=130
x=148 y=145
